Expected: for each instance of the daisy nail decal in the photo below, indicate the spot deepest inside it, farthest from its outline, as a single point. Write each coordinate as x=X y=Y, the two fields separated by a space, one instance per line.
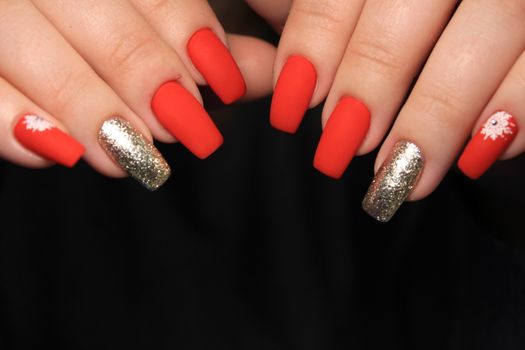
x=40 y=136
x=35 y=123
x=488 y=144
x=499 y=125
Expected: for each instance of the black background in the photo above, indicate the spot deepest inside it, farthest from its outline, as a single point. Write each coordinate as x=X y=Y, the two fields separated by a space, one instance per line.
x=253 y=249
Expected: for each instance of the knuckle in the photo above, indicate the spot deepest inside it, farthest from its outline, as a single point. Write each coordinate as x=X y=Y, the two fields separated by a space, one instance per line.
x=324 y=15
x=64 y=89
x=440 y=104
x=377 y=55
x=514 y=8
x=153 y=6
x=129 y=50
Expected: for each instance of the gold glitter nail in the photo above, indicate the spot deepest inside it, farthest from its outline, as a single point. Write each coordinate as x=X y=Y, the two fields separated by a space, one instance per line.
x=394 y=181
x=134 y=153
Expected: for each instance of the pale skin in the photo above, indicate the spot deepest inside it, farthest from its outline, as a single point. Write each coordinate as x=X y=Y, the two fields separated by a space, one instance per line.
x=79 y=62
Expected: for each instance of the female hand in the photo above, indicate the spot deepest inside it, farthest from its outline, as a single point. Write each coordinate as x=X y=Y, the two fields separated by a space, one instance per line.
x=363 y=55
x=100 y=79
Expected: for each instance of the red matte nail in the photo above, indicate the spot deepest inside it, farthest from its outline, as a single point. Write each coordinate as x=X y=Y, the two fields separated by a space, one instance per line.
x=293 y=94
x=185 y=118
x=488 y=144
x=45 y=139
x=216 y=64
x=343 y=134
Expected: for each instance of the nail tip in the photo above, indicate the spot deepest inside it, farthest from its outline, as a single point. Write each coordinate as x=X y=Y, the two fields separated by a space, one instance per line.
x=286 y=128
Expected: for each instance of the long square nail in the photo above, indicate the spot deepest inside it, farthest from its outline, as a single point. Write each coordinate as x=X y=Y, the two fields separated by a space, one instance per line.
x=293 y=94
x=133 y=153
x=216 y=64
x=394 y=181
x=186 y=119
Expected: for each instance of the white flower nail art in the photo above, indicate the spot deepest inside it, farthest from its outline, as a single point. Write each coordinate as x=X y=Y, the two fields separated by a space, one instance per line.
x=35 y=123
x=498 y=125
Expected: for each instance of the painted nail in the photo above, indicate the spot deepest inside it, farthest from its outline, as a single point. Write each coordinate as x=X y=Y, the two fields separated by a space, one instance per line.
x=185 y=118
x=293 y=94
x=394 y=181
x=133 y=153
x=343 y=134
x=488 y=144
x=43 y=138
x=216 y=64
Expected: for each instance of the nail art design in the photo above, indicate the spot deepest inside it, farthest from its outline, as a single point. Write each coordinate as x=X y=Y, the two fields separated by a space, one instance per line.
x=488 y=144
x=185 y=118
x=499 y=125
x=293 y=94
x=394 y=181
x=216 y=64
x=35 y=123
x=343 y=134
x=43 y=138
x=134 y=153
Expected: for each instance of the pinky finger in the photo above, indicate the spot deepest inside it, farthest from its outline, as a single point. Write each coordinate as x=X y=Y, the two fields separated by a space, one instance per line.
x=496 y=133
x=29 y=136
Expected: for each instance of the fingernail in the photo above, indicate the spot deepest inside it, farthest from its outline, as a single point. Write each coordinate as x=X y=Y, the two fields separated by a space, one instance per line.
x=45 y=139
x=394 y=181
x=293 y=94
x=134 y=153
x=343 y=134
x=491 y=141
x=185 y=118
x=216 y=64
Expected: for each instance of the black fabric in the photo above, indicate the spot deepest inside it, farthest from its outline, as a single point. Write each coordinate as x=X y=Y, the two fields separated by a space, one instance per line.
x=253 y=249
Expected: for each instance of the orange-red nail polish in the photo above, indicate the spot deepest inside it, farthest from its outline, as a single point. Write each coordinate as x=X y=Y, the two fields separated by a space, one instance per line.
x=343 y=134
x=45 y=139
x=293 y=94
x=185 y=118
x=216 y=64
x=488 y=144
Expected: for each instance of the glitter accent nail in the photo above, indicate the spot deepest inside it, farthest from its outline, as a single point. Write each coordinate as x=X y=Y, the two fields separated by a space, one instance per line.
x=394 y=181
x=134 y=153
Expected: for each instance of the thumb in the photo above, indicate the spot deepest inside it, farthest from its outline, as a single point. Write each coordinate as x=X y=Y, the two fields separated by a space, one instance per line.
x=275 y=12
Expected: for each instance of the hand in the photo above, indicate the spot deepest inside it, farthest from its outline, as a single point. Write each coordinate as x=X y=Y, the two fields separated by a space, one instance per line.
x=362 y=56
x=100 y=79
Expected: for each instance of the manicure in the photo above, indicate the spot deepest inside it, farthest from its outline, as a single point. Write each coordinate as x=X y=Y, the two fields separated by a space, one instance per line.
x=133 y=153
x=185 y=118
x=293 y=94
x=394 y=181
x=216 y=64
x=487 y=146
x=342 y=136
x=43 y=138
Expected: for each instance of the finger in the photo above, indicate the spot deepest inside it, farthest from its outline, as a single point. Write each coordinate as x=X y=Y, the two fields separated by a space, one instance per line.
x=381 y=60
x=275 y=12
x=139 y=66
x=255 y=58
x=496 y=134
x=311 y=47
x=56 y=78
x=31 y=137
x=448 y=97
x=200 y=42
